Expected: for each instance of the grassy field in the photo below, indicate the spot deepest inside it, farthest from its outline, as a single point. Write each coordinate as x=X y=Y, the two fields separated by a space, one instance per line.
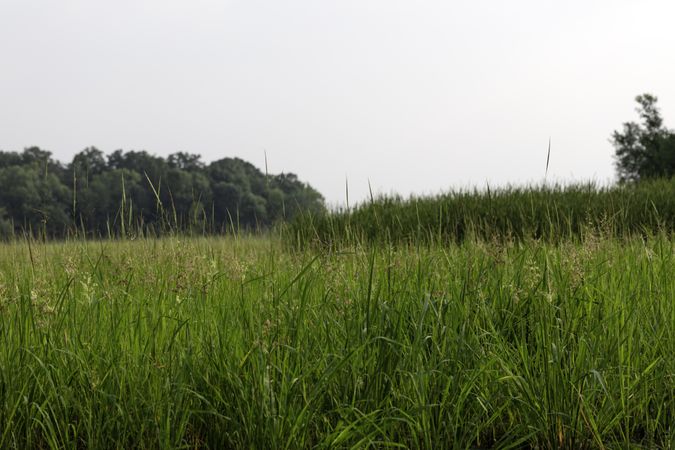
x=247 y=343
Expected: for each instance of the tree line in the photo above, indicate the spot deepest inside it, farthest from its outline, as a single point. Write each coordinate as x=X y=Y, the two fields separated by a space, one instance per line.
x=125 y=192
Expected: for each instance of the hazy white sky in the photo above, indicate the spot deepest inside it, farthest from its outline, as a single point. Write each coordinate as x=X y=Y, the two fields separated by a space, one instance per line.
x=415 y=96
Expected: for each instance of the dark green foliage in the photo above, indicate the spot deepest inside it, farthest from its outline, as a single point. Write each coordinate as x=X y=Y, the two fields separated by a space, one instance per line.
x=647 y=150
x=34 y=199
x=139 y=192
x=552 y=213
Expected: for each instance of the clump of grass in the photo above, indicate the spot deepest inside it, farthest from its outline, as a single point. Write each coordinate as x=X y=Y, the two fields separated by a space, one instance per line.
x=550 y=212
x=239 y=343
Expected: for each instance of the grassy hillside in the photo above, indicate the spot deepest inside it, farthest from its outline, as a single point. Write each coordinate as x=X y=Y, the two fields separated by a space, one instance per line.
x=551 y=213
x=239 y=343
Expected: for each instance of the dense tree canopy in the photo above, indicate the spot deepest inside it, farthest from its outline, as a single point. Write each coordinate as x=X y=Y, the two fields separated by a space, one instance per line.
x=131 y=191
x=646 y=150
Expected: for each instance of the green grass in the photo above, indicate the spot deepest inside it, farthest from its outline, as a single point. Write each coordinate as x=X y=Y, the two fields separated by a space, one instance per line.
x=550 y=212
x=245 y=343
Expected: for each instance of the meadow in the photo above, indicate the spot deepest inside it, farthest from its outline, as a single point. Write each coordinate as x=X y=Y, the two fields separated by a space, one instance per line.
x=275 y=341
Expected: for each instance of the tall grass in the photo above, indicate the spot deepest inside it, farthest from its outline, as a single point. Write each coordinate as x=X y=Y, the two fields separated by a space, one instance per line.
x=240 y=343
x=552 y=213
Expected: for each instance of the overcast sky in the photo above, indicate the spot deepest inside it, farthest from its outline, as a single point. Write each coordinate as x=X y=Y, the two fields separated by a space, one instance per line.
x=415 y=96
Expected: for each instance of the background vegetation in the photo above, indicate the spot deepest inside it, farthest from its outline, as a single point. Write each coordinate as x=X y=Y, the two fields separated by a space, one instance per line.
x=646 y=150
x=643 y=202
x=98 y=196
x=552 y=213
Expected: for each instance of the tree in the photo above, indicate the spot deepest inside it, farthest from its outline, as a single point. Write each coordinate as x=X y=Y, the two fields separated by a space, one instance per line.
x=90 y=161
x=34 y=199
x=185 y=161
x=644 y=150
x=10 y=159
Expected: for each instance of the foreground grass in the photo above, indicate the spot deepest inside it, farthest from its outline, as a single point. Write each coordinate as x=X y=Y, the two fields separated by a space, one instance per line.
x=240 y=343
